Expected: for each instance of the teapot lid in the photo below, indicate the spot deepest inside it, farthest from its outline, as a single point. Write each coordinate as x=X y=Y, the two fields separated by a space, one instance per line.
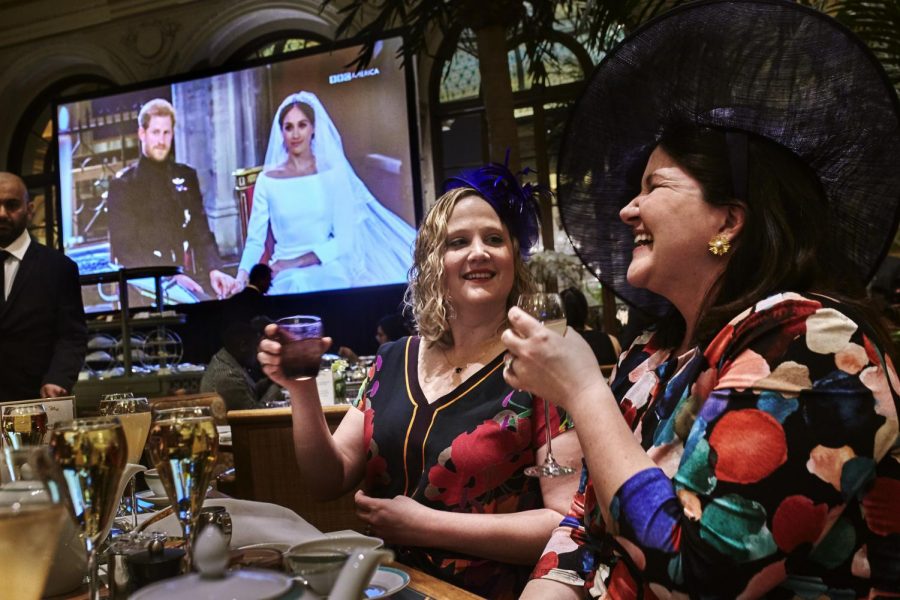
x=246 y=584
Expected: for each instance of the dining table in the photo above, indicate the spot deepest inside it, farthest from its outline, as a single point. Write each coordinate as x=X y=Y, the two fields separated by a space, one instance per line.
x=250 y=518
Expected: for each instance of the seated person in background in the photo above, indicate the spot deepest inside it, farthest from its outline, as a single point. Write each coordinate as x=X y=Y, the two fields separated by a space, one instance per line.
x=390 y=328
x=228 y=373
x=330 y=231
x=249 y=302
x=438 y=441
x=605 y=346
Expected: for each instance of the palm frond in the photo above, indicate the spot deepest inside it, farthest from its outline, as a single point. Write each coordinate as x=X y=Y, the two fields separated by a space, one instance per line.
x=876 y=22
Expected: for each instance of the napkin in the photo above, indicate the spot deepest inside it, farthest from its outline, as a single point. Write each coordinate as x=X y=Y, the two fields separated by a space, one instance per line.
x=253 y=523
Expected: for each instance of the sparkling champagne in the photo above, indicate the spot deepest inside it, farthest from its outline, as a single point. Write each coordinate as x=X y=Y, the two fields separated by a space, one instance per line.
x=183 y=449
x=28 y=535
x=91 y=455
x=24 y=426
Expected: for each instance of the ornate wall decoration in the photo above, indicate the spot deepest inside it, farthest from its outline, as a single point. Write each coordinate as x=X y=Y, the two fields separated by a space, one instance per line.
x=152 y=42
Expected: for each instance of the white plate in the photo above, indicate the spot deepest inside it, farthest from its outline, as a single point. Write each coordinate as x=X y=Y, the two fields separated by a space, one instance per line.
x=277 y=546
x=148 y=496
x=246 y=584
x=341 y=541
x=386 y=581
x=353 y=537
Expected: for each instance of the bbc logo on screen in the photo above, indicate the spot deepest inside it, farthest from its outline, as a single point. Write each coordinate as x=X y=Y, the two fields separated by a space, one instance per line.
x=348 y=76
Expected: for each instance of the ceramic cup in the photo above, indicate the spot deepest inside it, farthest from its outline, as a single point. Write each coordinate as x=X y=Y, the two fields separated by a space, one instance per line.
x=317 y=568
x=151 y=476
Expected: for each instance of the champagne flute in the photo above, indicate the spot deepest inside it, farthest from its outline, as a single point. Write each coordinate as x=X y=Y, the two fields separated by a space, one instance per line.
x=134 y=414
x=548 y=309
x=31 y=520
x=91 y=454
x=24 y=425
x=183 y=444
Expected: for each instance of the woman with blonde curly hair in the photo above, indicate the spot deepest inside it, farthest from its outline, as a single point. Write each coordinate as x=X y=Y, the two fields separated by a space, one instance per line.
x=440 y=441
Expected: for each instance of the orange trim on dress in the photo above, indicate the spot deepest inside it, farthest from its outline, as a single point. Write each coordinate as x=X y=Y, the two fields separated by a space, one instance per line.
x=409 y=396
x=434 y=417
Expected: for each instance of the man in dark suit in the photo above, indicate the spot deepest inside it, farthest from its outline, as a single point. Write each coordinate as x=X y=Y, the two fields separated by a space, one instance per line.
x=156 y=215
x=43 y=335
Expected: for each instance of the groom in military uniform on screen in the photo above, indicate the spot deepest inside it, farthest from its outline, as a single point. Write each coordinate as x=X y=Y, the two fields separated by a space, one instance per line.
x=156 y=214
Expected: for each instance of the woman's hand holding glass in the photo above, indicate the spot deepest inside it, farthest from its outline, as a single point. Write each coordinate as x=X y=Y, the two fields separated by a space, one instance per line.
x=547 y=364
x=548 y=309
x=275 y=357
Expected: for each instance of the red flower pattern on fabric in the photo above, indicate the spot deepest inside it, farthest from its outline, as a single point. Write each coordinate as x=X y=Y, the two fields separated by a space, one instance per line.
x=467 y=472
x=548 y=562
x=744 y=433
x=880 y=505
x=798 y=520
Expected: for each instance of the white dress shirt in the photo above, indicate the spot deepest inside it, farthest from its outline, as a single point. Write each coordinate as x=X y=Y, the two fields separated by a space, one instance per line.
x=11 y=265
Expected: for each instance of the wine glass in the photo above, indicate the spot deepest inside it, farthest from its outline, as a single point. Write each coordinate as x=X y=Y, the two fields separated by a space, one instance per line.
x=183 y=444
x=91 y=453
x=24 y=425
x=31 y=519
x=547 y=308
x=134 y=414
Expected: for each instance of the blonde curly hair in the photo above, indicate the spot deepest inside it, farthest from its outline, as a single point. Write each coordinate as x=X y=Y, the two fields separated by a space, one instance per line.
x=426 y=296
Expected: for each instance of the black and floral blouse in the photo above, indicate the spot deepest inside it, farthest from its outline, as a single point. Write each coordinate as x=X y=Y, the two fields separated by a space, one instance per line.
x=778 y=467
x=464 y=452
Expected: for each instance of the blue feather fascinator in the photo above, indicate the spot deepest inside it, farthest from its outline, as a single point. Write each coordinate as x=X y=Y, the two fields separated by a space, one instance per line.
x=516 y=204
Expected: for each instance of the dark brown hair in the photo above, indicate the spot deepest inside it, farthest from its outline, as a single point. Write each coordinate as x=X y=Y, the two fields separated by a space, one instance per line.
x=786 y=244
x=305 y=108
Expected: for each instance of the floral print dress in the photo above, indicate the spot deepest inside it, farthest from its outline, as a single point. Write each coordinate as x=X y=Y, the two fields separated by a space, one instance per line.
x=778 y=467
x=464 y=452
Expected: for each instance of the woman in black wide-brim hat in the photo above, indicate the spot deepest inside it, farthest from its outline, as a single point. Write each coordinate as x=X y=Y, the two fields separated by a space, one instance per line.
x=733 y=168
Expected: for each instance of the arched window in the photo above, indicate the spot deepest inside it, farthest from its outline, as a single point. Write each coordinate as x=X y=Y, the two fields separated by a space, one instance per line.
x=458 y=113
x=458 y=127
x=276 y=44
x=32 y=153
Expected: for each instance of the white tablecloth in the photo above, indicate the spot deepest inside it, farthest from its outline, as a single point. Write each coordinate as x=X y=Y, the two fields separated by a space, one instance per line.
x=252 y=523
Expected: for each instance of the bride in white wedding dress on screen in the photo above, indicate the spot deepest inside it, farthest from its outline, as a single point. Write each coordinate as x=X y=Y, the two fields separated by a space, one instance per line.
x=330 y=231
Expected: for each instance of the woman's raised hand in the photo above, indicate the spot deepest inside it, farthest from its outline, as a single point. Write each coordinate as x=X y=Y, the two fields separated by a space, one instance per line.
x=545 y=363
x=269 y=356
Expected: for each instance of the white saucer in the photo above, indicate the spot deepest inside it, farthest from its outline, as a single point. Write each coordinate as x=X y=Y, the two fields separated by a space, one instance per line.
x=246 y=584
x=148 y=496
x=347 y=540
x=277 y=546
x=386 y=581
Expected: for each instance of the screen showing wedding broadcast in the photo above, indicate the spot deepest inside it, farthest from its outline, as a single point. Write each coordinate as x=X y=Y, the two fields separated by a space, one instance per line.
x=304 y=164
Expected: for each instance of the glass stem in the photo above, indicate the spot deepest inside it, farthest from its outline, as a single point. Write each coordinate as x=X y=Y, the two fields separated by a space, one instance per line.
x=131 y=486
x=547 y=422
x=188 y=564
x=93 y=572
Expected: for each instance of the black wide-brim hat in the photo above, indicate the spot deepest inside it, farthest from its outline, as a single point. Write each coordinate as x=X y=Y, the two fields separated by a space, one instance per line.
x=768 y=67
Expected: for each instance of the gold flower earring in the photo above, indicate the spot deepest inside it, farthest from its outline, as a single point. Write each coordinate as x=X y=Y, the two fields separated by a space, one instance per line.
x=719 y=245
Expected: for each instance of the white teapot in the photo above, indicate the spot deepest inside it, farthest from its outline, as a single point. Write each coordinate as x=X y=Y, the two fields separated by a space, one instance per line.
x=213 y=582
